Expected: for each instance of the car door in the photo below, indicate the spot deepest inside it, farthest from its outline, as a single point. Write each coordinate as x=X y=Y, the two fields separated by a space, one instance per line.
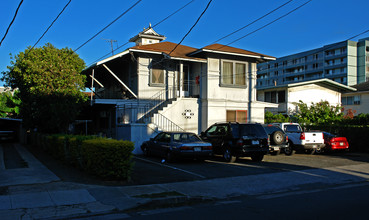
x=155 y=145
x=163 y=144
x=216 y=135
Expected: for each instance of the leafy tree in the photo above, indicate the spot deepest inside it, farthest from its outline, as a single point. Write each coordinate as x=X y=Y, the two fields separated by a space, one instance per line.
x=50 y=86
x=275 y=118
x=9 y=104
x=318 y=113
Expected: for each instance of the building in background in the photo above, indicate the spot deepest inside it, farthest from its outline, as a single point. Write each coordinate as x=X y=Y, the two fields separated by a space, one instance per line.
x=357 y=101
x=346 y=62
x=313 y=91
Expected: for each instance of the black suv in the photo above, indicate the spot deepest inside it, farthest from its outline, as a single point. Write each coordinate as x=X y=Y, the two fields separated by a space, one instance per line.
x=234 y=140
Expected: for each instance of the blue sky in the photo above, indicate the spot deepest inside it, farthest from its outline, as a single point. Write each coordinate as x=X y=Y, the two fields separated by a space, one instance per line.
x=318 y=23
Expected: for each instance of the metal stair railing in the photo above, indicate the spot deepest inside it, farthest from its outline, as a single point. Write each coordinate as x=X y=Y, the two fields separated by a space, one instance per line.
x=165 y=123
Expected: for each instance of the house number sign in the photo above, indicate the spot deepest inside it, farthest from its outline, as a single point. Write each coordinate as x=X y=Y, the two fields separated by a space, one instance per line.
x=187 y=113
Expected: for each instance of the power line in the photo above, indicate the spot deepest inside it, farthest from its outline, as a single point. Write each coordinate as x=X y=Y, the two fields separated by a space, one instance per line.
x=152 y=26
x=191 y=27
x=52 y=23
x=173 y=13
x=15 y=15
x=270 y=22
x=125 y=12
x=252 y=22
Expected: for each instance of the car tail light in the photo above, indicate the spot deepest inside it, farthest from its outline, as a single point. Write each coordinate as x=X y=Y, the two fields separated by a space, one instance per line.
x=240 y=142
x=302 y=136
x=207 y=148
x=185 y=148
x=286 y=138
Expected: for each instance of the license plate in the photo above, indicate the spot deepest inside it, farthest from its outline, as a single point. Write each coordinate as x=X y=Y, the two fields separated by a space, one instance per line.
x=255 y=142
x=197 y=149
x=276 y=148
x=341 y=143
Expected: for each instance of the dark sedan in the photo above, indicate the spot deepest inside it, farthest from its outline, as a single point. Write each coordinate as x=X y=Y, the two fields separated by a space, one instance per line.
x=172 y=145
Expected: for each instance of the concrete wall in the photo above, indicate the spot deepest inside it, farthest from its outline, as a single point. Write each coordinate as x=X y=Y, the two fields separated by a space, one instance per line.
x=137 y=133
x=352 y=64
x=185 y=113
x=311 y=93
x=217 y=99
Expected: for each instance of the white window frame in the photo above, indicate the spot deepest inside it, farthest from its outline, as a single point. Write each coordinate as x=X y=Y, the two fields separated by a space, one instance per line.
x=234 y=73
x=151 y=83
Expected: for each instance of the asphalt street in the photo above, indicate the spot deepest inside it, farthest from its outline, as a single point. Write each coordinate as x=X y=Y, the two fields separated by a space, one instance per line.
x=35 y=186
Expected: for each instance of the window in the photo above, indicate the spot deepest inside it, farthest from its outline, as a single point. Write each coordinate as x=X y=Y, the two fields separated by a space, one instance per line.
x=233 y=73
x=237 y=116
x=351 y=100
x=275 y=97
x=163 y=137
x=217 y=130
x=356 y=100
x=281 y=97
x=156 y=73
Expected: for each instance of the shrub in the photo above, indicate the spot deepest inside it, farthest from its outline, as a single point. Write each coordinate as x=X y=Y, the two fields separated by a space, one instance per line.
x=74 y=147
x=102 y=157
x=108 y=158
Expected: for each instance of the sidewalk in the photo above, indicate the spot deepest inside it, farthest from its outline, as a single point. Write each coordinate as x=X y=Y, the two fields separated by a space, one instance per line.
x=45 y=197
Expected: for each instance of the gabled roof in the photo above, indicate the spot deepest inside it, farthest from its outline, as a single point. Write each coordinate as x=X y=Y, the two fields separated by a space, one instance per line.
x=166 y=47
x=223 y=49
x=148 y=33
x=323 y=82
x=362 y=86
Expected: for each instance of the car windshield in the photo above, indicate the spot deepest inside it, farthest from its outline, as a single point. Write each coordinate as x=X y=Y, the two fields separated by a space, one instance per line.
x=253 y=130
x=271 y=129
x=185 y=137
x=292 y=128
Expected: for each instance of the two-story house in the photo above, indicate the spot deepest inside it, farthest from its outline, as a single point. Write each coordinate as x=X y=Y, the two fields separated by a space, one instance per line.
x=157 y=85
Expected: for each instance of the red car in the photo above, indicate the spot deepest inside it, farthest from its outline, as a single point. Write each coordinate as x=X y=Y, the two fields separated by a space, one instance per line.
x=333 y=143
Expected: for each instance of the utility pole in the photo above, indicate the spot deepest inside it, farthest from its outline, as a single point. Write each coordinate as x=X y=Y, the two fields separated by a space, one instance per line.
x=111 y=44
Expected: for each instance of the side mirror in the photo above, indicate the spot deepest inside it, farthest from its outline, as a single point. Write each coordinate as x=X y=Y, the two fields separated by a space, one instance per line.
x=202 y=134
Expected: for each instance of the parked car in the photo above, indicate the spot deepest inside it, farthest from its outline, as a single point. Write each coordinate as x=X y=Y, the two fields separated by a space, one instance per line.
x=311 y=141
x=234 y=140
x=175 y=145
x=333 y=143
x=278 y=140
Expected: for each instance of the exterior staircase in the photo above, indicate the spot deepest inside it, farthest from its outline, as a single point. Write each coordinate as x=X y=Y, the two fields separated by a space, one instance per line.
x=147 y=111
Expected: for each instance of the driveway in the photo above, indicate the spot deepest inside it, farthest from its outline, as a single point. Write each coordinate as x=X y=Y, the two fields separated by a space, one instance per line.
x=151 y=170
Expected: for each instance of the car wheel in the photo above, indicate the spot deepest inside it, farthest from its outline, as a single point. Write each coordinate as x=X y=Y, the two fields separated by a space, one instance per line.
x=289 y=150
x=145 y=151
x=318 y=150
x=277 y=137
x=257 y=157
x=227 y=155
x=312 y=151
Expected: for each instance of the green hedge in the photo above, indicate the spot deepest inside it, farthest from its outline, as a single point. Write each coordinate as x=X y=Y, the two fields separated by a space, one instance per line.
x=356 y=135
x=108 y=158
x=102 y=157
